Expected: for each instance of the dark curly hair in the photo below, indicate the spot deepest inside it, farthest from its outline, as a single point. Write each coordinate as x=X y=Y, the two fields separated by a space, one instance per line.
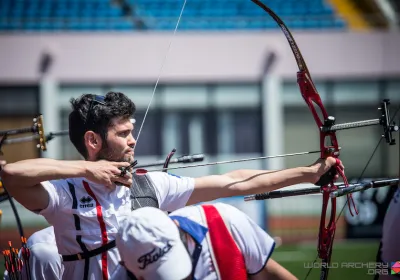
x=94 y=112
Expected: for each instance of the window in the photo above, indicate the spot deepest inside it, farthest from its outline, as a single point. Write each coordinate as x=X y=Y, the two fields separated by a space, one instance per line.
x=68 y=150
x=247 y=131
x=150 y=137
x=19 y=101
x=213 y=131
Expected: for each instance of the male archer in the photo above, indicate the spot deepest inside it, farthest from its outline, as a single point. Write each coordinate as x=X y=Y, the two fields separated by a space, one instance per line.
x=86 y=200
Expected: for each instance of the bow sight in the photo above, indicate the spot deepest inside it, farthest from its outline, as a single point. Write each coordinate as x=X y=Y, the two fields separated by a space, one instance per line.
x=36 y=128
x=329 y=125
x=388 y=126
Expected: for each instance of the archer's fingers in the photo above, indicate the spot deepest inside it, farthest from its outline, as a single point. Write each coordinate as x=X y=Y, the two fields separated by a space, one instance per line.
x=127 y=181
x=116 y=171
x=339 y=164
x=120 y=164
x=127 y=173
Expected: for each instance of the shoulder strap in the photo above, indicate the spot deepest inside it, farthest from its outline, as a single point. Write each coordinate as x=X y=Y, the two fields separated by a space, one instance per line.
x=197 y=232
x=228 y=259
x=143 y=192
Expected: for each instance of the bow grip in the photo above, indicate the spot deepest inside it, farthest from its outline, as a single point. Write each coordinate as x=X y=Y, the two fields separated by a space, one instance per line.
x=328 y=177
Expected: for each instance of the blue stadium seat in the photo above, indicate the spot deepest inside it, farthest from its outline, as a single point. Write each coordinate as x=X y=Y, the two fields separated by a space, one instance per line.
x=103 y=15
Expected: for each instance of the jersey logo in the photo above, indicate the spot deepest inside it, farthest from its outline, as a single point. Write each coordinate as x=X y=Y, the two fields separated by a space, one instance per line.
x=86 y=202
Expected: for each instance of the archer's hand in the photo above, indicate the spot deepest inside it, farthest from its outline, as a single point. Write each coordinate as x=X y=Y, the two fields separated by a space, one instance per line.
x=108 y=173
x=326 y=167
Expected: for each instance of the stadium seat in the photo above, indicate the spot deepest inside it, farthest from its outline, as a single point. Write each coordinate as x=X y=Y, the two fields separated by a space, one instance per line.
x=104 y=15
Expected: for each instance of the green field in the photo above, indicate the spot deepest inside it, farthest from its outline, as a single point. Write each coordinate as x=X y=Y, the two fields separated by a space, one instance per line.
x=294 y=257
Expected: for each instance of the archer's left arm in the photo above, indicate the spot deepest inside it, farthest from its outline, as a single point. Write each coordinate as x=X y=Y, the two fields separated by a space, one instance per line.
x=244 y=182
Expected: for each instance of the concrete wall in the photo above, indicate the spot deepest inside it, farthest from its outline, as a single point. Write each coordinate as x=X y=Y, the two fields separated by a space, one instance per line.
x=195 y=57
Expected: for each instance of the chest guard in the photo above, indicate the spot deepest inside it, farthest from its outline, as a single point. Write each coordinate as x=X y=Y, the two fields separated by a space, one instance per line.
x=143 y=192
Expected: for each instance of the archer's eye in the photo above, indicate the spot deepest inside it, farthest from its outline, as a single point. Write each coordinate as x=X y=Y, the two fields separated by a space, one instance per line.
x=124 y=134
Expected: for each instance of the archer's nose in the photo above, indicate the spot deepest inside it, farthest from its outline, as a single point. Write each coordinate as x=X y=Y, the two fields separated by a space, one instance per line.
x=131 y=141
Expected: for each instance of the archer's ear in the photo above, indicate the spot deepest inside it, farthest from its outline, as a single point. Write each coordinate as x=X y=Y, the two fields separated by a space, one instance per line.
x=93 y=143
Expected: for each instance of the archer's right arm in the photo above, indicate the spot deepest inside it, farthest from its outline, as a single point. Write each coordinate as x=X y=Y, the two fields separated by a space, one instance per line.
x=23 y=179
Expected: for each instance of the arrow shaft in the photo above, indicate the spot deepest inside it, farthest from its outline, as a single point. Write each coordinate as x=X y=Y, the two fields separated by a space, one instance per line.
x=236 y=160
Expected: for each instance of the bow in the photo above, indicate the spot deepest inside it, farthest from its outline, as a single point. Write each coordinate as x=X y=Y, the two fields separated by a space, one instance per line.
x=329 y=146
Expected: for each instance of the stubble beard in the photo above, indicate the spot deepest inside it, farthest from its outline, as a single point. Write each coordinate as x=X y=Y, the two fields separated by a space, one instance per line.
x=109 y=154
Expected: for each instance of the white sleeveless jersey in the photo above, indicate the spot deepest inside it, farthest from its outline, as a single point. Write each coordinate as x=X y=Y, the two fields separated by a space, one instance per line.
x=86 y=216
x=390 y=251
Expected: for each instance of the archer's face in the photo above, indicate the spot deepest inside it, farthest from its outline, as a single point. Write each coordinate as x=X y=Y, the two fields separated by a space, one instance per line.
x=120 y=141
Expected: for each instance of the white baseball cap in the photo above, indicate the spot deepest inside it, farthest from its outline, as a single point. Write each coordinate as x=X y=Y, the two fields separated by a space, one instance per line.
x=150 y=246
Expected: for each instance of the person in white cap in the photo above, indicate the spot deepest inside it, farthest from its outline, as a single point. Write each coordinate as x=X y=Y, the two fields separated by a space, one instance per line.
x=85 y=200
x=196 y=242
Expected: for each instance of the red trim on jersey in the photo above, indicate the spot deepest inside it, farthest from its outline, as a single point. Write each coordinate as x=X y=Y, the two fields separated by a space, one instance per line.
x=230 y=260
x=104 y=237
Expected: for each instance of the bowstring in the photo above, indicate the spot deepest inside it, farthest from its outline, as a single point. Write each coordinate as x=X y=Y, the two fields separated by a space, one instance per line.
x=160 y=72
